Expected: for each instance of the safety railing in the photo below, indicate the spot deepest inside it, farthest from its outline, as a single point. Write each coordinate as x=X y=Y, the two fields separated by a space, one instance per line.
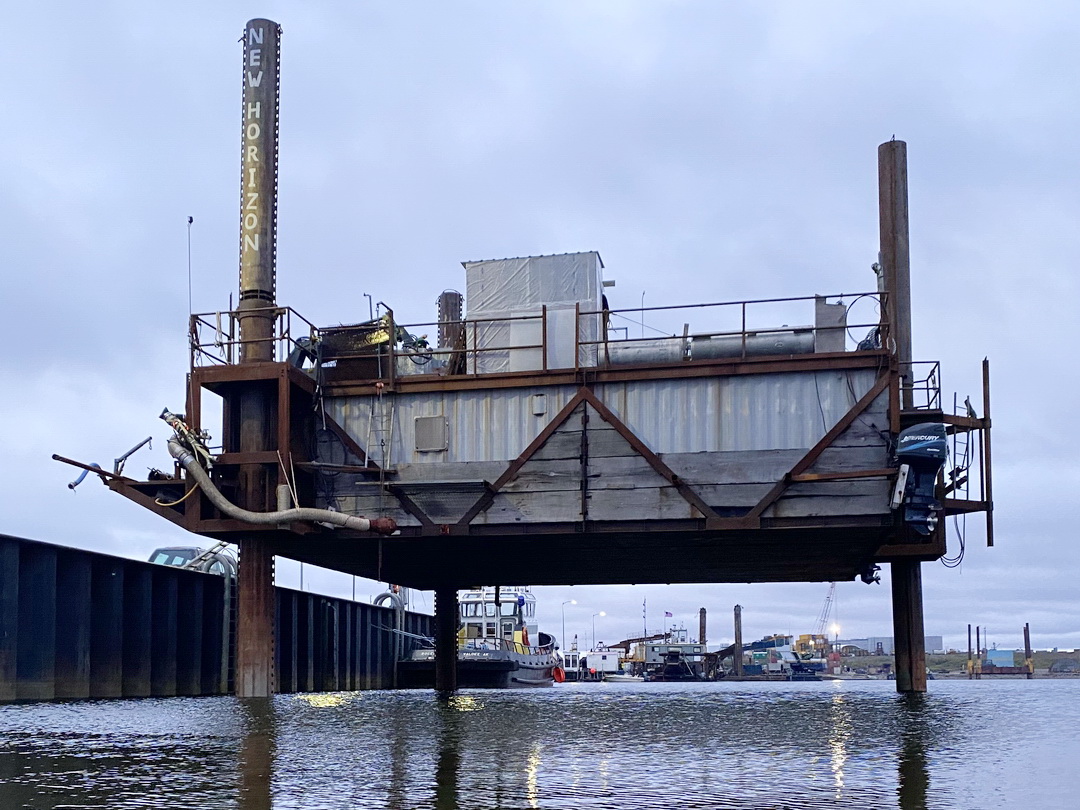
x=502 y=644
x=557 y=338
x=214 y=337
x=741 y=338
x=920 y=385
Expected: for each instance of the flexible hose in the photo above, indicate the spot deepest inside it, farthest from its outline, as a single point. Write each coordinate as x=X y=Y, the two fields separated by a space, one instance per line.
x=187 y=460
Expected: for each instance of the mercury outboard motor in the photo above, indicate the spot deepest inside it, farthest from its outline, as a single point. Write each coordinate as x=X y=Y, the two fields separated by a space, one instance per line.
x=921 y=451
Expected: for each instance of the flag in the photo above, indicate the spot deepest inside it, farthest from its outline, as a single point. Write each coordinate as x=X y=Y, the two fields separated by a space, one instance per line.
x=667 y=615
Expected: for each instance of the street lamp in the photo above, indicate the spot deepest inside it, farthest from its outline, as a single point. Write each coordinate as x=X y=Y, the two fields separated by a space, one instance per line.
x=601 y=613
x=564 y=604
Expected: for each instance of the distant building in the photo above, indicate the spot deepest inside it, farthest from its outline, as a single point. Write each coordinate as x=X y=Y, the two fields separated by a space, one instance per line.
x=883 y=645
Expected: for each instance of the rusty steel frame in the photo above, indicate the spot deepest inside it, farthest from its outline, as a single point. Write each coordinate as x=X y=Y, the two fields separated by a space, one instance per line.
x=723 y=367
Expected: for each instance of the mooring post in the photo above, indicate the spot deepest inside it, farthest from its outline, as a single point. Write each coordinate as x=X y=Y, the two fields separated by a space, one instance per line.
x=446 y=626
x=737 y=655
x=1029 y=662
x=909 y=644
x=978 y=653
x=971 y=662
x=255 y=619
x=894 y=256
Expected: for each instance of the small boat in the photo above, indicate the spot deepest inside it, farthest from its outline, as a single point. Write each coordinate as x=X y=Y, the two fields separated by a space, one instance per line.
x=622 y=677
x=495 y=649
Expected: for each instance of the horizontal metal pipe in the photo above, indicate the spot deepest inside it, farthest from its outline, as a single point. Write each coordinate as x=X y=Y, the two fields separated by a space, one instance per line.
x=187 y=460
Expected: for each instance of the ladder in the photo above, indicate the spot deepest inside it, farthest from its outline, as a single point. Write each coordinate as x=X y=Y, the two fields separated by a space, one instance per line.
x=378 y=447
x=195 y=562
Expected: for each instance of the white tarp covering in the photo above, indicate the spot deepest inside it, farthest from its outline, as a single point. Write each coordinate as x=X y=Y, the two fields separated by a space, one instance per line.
x=520 y=288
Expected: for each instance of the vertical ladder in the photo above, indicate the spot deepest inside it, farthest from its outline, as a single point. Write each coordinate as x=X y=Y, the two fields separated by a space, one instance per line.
x=380 y=438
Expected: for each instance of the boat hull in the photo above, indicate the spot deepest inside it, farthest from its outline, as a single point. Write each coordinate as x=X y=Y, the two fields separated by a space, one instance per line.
x=494 y=669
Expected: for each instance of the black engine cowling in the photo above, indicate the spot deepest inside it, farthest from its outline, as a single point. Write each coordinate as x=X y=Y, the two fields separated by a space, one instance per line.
x=921 y=451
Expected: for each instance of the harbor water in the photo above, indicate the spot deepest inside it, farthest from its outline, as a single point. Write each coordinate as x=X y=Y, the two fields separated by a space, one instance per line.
x=850 y=744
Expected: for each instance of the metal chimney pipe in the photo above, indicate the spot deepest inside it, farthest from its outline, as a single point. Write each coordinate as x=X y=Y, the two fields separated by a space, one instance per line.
x=701 y=627
x=258 y=191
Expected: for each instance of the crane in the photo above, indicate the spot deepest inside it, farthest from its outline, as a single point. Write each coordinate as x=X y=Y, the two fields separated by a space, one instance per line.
x=823 y=617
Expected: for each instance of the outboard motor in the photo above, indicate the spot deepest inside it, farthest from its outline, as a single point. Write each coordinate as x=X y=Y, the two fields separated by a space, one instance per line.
x=921 y=451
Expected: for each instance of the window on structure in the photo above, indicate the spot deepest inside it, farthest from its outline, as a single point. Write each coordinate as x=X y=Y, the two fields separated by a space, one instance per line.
x=507 y=608
x=489 y=630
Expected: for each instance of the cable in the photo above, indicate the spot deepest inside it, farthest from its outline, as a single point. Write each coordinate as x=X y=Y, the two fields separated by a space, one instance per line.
x=821 y=410
x=855 y=300
x=160 y=502
x=954 y=562
x=645 y=325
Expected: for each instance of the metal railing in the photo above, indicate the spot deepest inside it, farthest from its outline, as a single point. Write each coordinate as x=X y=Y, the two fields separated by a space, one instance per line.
x=500 y=644
x=921 y=381
x=745 y=337
x=214 y=337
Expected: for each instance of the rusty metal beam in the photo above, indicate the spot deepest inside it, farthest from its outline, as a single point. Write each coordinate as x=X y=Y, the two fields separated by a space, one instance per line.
x=255 y=618
x=350 y=443
x=684 y=489
x=95 y=470
x=126 y=489
x=410 y=506
x=987 y=466
x=515 y=466
x=959 y=506
x=895 y=255
x=682 y=370
x=814 y=452
x=909 y=640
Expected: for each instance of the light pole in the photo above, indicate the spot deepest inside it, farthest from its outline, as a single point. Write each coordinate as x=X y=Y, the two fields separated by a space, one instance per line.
x=601 y=613
x=564 y=604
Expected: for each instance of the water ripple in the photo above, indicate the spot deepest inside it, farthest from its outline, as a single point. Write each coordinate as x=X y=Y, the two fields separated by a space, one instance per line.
x=735 y=745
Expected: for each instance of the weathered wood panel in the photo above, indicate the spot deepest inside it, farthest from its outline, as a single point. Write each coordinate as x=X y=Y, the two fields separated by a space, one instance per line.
x=825 y=498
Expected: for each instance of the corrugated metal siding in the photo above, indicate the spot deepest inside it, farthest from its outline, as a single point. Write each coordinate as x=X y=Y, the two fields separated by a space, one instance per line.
x=748 y=412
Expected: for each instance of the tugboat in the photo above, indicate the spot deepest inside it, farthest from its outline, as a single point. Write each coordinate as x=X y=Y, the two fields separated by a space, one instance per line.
x=499 y=645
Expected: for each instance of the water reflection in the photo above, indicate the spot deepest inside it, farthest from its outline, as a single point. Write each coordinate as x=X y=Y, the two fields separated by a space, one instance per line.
x=257 y=754
x=450 y=743
x=755 y=746
x=838 y=738
x=913 y=785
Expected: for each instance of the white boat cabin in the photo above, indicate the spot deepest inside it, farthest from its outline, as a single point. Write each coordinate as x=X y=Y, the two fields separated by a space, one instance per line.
x=509 y=617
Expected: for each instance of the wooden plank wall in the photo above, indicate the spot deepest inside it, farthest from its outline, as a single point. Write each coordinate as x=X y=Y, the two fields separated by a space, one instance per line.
x=623 y=486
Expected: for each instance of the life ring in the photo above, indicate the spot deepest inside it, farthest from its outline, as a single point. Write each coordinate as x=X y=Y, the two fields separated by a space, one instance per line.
x=559 y=674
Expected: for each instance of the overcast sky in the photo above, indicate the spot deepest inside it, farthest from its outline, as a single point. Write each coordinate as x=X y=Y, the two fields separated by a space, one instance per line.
x=709 y=151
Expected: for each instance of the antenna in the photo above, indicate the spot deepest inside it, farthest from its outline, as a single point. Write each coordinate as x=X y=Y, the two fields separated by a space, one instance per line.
x=190 y=309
